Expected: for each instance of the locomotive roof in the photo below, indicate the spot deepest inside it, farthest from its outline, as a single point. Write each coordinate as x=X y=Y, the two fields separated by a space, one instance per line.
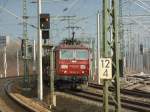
x=70 y=46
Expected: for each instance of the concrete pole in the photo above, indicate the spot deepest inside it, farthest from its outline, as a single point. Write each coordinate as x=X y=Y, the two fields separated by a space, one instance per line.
x=52 y=96
x=147 y=59
x=93 y=61
x=34 y=57
x=5 y=62
x=98 y=46
x=40 y=80
x=138 y=58
x=17 y=64
x=148 y=55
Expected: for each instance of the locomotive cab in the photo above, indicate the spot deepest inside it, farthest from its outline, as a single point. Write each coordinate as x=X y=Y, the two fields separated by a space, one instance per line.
x=72 y=64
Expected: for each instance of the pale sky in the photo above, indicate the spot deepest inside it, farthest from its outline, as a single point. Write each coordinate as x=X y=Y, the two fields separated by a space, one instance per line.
x=80 y=8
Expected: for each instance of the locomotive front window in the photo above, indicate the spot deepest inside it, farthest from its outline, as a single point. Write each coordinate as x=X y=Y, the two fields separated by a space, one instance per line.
x=81 y=54
x=66 y=54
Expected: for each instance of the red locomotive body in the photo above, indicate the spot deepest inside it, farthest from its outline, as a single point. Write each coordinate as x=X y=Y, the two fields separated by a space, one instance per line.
x=72 y=60
x=72 y=63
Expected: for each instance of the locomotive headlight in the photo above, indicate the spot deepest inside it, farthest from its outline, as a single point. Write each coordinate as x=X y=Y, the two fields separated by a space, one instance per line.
x=82 y=67
x=64 y=66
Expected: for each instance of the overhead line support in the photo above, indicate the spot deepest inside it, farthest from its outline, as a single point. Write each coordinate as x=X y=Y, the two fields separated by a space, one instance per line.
x=25 y=51
x=110 y=44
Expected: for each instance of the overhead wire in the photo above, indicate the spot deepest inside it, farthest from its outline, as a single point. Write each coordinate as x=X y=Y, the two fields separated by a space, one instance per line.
x=3 y=4
x=146 y=5
x=67 y=9
x=17 y=17
x=133 y=19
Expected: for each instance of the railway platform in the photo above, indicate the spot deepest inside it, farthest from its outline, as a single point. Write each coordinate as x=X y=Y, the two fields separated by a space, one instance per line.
x=30 y=104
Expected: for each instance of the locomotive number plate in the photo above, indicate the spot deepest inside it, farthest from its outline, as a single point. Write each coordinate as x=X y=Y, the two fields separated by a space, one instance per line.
x=105 y=68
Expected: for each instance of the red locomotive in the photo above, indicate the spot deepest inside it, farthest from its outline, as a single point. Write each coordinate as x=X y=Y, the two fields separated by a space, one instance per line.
x=72 y=63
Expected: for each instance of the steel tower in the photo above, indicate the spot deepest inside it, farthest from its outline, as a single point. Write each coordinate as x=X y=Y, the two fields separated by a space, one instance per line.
x=110 y=50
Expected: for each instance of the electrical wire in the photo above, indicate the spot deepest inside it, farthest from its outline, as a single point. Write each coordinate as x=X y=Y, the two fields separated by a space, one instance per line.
x=17 y=17
x=3 y=4
x=68 y=9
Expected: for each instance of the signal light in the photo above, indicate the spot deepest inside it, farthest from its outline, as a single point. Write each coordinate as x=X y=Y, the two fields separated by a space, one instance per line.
x=44 y=21
x=45 y=34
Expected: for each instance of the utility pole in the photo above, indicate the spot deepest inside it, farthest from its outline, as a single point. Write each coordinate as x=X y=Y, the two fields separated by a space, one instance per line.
x=52 y=96
x=40 y=78
x=130 y=38
x=110 y=20
x=138 y=53
x=121 y=38
x=34 y=57
x=98 y=46
x=17 y=63
x=105 y=51
x=25 y=51
x=5 y=61
x=93 y=57
x=115 y=56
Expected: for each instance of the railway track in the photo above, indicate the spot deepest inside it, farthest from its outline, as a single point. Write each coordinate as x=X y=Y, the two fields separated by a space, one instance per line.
x=14 y=100
x=6 y=103
x=136 y=93
x=126 y=103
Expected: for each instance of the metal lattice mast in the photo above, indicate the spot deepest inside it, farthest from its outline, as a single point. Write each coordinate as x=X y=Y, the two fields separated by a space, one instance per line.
x=25 y=37
x=116 y=56
x=110 y=26
x=105 y=50
x=25 y=19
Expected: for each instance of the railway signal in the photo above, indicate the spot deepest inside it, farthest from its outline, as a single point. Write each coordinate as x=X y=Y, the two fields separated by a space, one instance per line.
x=45 y=25
x=26 y=49
x=44 y=21
x=45 y=34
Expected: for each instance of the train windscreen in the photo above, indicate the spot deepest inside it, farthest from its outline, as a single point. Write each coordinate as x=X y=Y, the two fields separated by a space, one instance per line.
x=82 y=54
x=66 y=54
